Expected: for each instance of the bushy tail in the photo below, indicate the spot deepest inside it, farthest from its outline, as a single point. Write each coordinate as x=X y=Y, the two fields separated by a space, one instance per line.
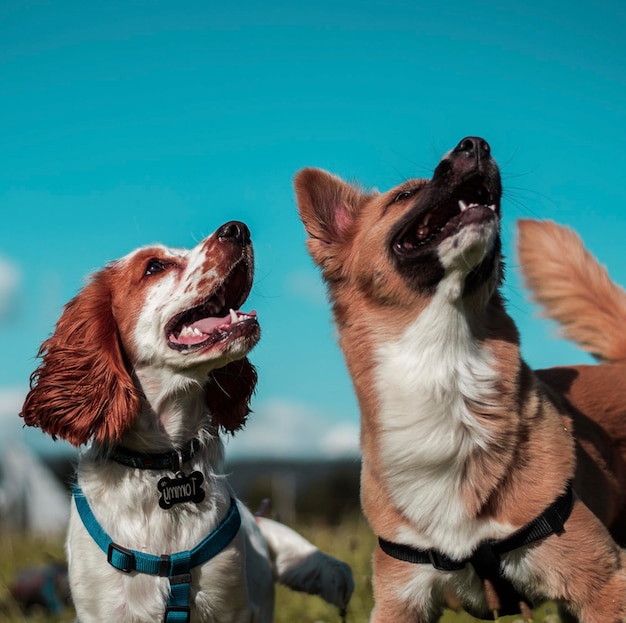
x=574 y=289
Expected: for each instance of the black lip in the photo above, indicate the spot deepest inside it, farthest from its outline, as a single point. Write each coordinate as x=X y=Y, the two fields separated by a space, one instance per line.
x=437 y=214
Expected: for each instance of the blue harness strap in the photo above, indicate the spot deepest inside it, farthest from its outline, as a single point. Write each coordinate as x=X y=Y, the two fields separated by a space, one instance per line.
x=177 y=567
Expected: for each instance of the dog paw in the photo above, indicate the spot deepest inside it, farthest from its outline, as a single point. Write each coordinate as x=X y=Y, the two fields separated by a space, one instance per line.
x=323 y=575
x=336 y=582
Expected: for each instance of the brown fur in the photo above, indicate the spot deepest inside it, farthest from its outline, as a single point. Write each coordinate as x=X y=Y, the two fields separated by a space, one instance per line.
x=577 y=292
x=83 y=388
x=83 y=359
x=546 y=427
x=555 y=265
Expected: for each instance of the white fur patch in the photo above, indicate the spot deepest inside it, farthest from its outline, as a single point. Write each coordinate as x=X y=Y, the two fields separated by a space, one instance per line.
x=425 y=380
x=167 y=297
x=469 y=247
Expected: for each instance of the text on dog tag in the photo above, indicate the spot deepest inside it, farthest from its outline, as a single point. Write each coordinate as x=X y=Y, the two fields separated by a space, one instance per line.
x=182 y=488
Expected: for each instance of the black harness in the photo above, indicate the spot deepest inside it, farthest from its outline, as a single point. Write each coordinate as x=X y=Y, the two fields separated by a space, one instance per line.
x=486 y=558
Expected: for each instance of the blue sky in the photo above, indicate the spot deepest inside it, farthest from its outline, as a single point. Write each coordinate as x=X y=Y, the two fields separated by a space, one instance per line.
x=127 y=123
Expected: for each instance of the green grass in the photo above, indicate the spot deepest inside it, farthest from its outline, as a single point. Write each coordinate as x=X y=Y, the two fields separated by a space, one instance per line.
x=17 y=553
x=352 y=542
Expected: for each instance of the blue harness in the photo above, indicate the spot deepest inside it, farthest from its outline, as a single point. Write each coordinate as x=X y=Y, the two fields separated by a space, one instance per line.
x=176 y=567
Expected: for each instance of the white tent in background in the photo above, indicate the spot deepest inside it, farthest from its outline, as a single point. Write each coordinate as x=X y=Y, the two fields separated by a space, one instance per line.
x=31 y=497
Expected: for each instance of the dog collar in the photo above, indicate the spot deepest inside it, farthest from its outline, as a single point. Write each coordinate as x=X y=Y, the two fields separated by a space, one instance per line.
x=176 y=567
x=178 y=490
x=172 y=460
x=486 y=557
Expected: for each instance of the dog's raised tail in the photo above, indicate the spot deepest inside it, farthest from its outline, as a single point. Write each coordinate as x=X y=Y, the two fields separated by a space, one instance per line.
x=573 y=288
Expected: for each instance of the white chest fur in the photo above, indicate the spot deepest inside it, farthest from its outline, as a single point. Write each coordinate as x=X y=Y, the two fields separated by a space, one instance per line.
x=425 y=380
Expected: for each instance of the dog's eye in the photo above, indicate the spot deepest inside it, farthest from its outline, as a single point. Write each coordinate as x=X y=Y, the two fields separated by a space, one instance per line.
x=405 y=194
x=155 y=266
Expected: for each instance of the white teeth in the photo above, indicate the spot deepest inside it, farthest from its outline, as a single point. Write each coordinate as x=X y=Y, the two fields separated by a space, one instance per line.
x=233 y=316
x=188 y=331
x=463 y=206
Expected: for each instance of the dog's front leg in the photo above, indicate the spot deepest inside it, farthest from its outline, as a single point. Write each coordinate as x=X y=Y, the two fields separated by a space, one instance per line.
x=584 y=569
x=403 y=593
x=299 y=565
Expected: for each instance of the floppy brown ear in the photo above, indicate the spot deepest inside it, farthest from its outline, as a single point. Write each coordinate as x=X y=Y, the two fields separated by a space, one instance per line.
x=82 y=389
x=327 y=206
x=228 y=394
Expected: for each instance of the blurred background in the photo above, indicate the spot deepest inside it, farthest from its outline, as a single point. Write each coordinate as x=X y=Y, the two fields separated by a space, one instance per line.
x=128 y=123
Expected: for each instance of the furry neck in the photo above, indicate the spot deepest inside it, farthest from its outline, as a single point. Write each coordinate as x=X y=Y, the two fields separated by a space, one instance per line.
x=438 y=399
x=173 y=412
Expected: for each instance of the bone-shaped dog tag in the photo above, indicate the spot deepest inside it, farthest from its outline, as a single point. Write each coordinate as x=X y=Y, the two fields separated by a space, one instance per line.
x=182 y=488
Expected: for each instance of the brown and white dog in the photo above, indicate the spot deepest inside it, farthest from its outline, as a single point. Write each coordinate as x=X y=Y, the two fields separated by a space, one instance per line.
x=148 y=365
x=466 y=451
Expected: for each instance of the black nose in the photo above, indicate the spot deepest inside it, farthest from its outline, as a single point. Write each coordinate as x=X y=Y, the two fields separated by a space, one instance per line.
x=235 y=231
x=473 y=147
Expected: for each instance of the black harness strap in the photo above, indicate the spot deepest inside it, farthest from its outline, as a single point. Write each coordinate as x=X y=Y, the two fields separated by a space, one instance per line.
x=486 y=557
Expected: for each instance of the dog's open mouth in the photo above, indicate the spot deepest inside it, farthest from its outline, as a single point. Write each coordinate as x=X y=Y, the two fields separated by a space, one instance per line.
x=216 y=318
x=471 y=201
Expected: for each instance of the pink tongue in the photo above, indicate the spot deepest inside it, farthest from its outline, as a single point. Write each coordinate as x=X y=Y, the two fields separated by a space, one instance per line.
x=205 y=326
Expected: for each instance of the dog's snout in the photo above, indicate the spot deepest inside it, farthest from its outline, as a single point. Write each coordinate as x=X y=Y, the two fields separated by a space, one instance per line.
x=472 y=147
x=472 y=155
x=234 y=231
